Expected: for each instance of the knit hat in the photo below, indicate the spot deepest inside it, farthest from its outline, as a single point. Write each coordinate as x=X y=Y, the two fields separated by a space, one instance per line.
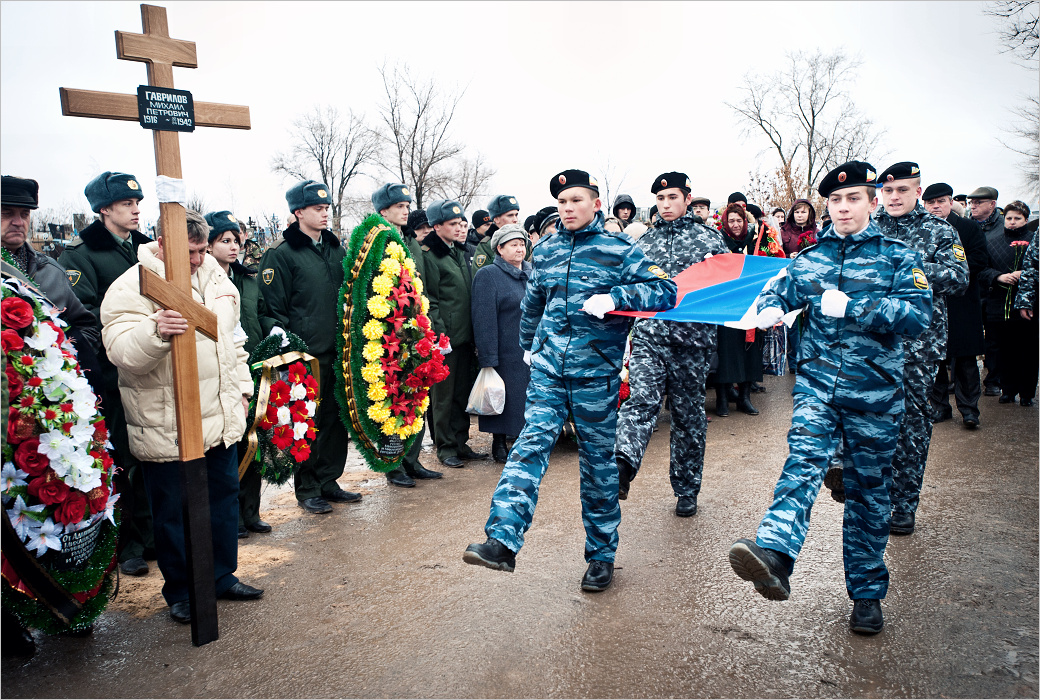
x=389 y=194
x=507 y=233
x=502 y=204
x=443 y=210
x=417 y=218
x=737 y=197
x=481 y=217
x=20 y=192
x=111 y=187
x=219 y=222
x=307 y=193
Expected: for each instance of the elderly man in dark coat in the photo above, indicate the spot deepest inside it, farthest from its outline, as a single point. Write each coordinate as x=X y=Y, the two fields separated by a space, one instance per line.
x=498 y=289
x=965 y=339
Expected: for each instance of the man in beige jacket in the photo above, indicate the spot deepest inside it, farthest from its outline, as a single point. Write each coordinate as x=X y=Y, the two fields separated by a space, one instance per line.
x=136 y=334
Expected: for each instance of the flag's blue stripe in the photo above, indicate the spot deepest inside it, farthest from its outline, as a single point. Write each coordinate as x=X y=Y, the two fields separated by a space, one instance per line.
x=727 y=301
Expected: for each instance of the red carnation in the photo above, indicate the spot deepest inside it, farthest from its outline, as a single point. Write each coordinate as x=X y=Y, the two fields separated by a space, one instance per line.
x=27 y=401
x=297 y=371
x=72 y=510
x=27 y=361
x=14 y=381
x=423 y=321
x=279 y=393
x=300 y=451
x=100 y=431
x=28 y=458
x=49 y=489
x=66 y=407
x=424 y=347
x=33 y=381
x=282 y=437
x=444 y=341
x=11 y=341
x=15 y=312
x=413 y=382
x=97 y=499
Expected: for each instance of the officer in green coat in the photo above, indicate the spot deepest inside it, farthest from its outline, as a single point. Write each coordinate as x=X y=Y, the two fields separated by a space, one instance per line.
x=447 y=285
x=224 y=242
x=393 y=201
x=93 y=260
x=301 y=276
x=503 y=210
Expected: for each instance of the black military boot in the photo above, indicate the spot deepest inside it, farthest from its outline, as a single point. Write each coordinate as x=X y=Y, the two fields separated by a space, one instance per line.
x=598 y=576
x=421 y=472
x=768 y=569
x=901 y=524
x=492 y=554
x=625 y=475
x=744 y=400
x=398 y=477
x=721 y=402
x=499 y=452
x=686 y=506
x=866 y=617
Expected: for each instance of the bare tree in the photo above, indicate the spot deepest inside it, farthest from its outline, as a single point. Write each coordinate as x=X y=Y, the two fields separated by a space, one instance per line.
x=417 y=118
x=330 y=147
x=611 y=183
x=1026 y=142
x=196 y=202
x=1019 y=27
x=807 y=115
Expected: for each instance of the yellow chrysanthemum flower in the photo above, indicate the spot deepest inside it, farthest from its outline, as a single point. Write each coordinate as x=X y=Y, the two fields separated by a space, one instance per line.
x=382 y=285
x=372 y=352
x=373 y=330
x=391 y=267
x=417 y=283
x=372 y=373
x=396 y=252
x=376 y=392
x=389 y=426
x=378 y=307
x=425 y=306
x=417 y=426
x=378 y=412
x=424 y=404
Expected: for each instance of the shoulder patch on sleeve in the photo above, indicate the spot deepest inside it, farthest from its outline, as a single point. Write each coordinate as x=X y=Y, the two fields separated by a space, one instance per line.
x=920 y=281
x=426 y=248
x=655 y=270
x=958 y=252
x=74 y=276
x=267 y=275
x=479 y=260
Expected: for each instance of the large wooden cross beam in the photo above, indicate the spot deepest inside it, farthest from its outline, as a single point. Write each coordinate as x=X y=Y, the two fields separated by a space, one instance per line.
x=161 y=53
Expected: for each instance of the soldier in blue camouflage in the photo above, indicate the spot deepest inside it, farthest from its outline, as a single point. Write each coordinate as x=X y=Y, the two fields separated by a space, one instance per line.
x=946 y=267
x=1025 y=298
x=670 y=357
x=575 y=350
x=860 y=294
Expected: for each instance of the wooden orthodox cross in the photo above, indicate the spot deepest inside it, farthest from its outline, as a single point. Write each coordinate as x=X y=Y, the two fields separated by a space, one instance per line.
x=161 y=53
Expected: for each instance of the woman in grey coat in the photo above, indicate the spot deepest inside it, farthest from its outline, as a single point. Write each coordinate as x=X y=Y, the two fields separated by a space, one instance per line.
x=498 y=290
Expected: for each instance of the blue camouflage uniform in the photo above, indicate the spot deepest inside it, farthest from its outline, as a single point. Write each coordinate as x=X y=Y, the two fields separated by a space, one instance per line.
x=1025 y=298
x=946 y=267
x=575 y=368
x=671 y=357
x=849 y=386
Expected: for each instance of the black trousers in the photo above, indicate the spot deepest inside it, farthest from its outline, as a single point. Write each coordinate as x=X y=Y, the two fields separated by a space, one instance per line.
x=1018 y=343
x=317 y=476
x=967 y=386
x=135 y=537
x=162 y=481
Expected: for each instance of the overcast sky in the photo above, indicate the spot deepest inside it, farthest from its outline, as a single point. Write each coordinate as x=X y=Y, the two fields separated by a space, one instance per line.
x=549 y=86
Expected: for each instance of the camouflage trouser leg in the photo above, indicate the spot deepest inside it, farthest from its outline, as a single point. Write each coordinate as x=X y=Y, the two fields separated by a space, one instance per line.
x=593 y=403
x=680 y=372
x=870 y=439
x=915 y=436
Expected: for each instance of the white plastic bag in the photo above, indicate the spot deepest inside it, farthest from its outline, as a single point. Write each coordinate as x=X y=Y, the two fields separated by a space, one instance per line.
x=488 y=397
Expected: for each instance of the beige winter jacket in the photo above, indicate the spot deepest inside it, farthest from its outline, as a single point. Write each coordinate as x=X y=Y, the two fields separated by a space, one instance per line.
x=144 y=361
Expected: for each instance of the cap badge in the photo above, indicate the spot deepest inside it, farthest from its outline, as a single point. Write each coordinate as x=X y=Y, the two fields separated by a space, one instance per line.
x=871 y=175
x=890 y=178
x=456 y=210
x=562 y=180
x=512 y=200
x=914 y=170
x=323 y=193
x=842 y=176
x=688 y=183
x=664 y=183
x=592 y=181
x=231 y=218
x=132 y=184
x=404 y=191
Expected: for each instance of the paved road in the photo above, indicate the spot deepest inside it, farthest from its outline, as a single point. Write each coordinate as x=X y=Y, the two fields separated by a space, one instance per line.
x=374 y=600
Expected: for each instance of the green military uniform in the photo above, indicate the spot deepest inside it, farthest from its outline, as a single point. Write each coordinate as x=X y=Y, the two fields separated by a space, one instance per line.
x=257 y=324
x=93 y=261
x=447 y=282
x=300 y=279
x=484 y=254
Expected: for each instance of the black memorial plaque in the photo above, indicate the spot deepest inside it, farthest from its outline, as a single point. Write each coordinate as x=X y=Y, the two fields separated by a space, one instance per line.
x=165 y=109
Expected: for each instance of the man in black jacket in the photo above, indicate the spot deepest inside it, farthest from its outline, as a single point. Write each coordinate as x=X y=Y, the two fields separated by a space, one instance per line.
x=93 y=261
x=965 y=339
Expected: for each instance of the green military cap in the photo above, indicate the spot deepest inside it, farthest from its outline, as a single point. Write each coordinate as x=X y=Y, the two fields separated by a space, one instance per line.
x=220 y=222
x=307 y=193
x=111 y=187
x=389 y=194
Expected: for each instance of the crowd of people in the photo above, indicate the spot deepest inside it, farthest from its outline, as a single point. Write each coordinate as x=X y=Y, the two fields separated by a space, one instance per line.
x=897 y=301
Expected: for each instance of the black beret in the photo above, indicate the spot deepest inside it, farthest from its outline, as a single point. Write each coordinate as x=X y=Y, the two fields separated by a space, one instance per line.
x=20 y=192
x=417 y=218
x=900 y=171
x=961 y=198
x=736 y=197
x=754 y=211
x=543 y=214
x=572 y=178
x=653 y=210
x=529 y=224
x=668 y=180
x=939 y=189
x=481 y=217
x=855 y=173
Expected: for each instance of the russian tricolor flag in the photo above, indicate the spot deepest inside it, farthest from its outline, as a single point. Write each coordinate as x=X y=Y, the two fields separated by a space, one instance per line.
x=721 y=290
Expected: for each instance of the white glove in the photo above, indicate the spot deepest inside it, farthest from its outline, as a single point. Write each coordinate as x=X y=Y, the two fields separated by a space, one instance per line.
x=769 y=317
x=278 y=330
x=598 y=305
x=706 y=256
x=527 y=357
x=445 y=351
x=833 y=303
